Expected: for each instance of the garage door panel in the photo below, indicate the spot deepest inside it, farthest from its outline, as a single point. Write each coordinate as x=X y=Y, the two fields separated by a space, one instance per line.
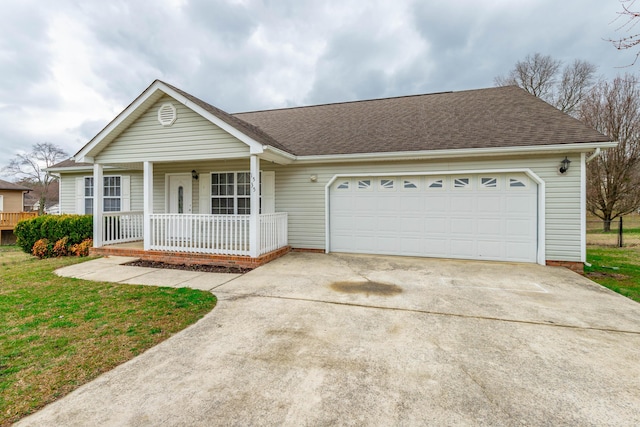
x=434 y=226
x=520 y=251
x=367 y=224
x=462 y=226
x=520 y=203
x=436 y=204
x=413 y=225
x=490 y=249
x=412 y=246
x=462 y=248
x=462 y=203
x=391 y=244
x=519 y=228
x=343 y=224
x=490 y=227
x=411 y=203
x=490 y=205
x=436 y=247
x=476 y=222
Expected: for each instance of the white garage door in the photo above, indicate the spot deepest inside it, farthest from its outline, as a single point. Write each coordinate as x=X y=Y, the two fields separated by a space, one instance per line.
x=492 y=216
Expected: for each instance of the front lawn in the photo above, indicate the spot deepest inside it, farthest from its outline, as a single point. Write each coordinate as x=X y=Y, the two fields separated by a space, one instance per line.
x=58 y=333
x=616 y=268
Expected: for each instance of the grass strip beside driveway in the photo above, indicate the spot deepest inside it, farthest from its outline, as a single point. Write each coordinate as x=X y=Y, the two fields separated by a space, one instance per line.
x=58 y=333
x=615 y=268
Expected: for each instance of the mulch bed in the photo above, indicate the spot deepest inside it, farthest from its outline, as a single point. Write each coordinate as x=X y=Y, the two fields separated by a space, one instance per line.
x=193 y=267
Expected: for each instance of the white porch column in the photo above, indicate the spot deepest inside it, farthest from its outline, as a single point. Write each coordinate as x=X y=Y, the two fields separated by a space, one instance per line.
x=147 y=190
x=98 y=190
x=254 y=220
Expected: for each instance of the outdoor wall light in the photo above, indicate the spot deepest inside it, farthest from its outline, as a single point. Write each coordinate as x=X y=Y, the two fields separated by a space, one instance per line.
x=313 y=178
x=194 y=174
x=565 y=165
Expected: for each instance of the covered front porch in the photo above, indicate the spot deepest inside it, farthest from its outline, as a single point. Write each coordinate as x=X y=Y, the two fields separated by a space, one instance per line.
x=178 y=229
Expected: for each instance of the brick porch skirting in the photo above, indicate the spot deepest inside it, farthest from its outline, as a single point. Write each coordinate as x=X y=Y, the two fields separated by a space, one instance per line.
x=192 y=259
x=578 y=267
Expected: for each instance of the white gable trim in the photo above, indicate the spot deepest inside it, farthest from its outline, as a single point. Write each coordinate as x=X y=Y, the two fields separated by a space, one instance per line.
x=89 y=151
x=456 y=153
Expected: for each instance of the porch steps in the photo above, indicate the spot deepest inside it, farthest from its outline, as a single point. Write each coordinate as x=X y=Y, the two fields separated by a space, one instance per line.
x=191 y=258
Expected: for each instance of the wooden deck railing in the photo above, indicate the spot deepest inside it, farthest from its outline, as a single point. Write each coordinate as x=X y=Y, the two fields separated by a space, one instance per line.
x=8 y=220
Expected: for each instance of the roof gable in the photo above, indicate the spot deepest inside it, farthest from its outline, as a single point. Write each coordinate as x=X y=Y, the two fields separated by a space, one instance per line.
x=244 y=132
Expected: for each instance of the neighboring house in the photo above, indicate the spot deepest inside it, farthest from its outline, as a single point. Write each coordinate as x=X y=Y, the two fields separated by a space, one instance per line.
x=474 y=174
x=11 y=209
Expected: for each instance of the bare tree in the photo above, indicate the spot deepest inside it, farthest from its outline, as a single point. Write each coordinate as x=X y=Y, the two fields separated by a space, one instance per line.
x=630 y=20
x=541 y=75
x=30 y=166
x=613 y=178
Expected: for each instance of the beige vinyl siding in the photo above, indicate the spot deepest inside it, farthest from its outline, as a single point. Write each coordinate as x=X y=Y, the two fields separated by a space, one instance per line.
x=12 y=201
x=68 y=192
x=305 y=200
x=190 y=137
x=68 y=189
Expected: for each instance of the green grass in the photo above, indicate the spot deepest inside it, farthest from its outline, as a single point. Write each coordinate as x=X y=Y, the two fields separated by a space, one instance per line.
x=59 y=333
x=616 y=268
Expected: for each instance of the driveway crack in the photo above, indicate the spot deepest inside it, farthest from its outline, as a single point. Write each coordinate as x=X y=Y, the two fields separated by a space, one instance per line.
x=437 y=313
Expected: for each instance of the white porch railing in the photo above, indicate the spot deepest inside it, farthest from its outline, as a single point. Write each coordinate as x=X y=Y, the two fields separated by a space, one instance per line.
x=209 y=234
x=121 y=227
x=273 y=232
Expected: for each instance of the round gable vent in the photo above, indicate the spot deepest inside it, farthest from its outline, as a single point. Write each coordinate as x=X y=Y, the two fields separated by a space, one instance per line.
x=167 y=114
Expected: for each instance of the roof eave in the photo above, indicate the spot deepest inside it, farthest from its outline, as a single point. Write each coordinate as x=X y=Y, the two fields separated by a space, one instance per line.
x=457 y=153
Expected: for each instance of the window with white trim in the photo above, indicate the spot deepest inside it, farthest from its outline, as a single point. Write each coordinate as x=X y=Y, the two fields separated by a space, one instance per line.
x=517 y=183
x=387 y=184
x=344 y=185
x=489 y=182
x=435 y=183
x=111 y=194
x=231 y=193
x=408 y=184
x=364 y=184
x=461 y=183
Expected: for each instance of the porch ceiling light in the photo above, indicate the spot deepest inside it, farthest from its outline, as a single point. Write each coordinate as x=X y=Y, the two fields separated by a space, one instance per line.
x=194 y=174
x=565 y=165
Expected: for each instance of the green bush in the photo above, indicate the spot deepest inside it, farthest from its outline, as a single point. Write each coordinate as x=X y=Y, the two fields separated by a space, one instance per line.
x=53 y=228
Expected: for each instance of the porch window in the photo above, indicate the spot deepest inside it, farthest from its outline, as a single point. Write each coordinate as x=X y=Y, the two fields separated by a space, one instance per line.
x=112 y=194
x=231 y=193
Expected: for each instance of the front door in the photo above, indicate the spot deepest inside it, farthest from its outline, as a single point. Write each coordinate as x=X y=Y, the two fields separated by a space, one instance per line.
x=179 y=203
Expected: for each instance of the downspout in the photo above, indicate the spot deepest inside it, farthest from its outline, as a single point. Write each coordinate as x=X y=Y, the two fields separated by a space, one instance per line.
x=591 y=157
x=594 y=155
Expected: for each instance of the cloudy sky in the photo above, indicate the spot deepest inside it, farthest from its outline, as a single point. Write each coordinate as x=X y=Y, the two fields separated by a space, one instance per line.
x=69 y=67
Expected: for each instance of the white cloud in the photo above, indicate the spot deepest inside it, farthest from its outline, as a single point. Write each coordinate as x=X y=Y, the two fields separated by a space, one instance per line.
x=68 y=67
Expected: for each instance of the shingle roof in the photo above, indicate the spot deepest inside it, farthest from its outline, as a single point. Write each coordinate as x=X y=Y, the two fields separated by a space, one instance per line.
x=6 y=185
x=484 y=118
x=69 y=163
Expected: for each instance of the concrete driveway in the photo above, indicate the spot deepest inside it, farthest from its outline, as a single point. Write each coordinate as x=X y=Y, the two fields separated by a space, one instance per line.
x=314 y=339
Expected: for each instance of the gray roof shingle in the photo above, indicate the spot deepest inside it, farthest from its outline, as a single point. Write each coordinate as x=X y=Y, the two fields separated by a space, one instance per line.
x=483 y=118
x=6 y=185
